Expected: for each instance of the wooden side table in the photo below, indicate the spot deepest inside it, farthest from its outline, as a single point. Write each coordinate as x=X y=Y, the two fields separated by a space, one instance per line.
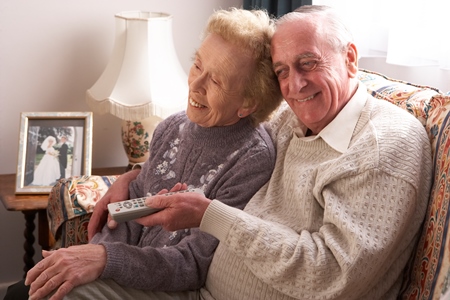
x=30 y=205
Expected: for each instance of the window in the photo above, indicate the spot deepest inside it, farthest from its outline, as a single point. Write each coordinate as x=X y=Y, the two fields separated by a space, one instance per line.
x=406 y=32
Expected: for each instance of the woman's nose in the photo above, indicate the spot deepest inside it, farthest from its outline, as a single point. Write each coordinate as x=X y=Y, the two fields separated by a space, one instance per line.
x=197 y=84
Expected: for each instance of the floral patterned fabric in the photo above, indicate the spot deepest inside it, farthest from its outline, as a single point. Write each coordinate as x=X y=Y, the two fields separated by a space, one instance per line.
x=428 y=272
x=70 y=204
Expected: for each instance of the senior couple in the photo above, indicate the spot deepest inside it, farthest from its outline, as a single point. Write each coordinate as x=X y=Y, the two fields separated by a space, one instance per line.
x=316 y=203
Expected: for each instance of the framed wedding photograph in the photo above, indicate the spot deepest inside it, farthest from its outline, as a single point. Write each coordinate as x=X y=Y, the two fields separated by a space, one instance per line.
x=52 y=145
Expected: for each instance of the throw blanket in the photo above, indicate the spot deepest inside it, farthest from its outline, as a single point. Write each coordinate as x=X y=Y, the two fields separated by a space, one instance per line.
x=73 y=198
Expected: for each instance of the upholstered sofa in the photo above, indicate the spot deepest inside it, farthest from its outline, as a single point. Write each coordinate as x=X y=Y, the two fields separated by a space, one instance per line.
x=71 y=200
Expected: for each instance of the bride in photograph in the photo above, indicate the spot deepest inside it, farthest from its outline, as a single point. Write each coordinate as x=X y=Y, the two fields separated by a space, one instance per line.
x=47 y=172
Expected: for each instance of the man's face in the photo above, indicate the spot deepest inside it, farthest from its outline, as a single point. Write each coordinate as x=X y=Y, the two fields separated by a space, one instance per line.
x=313 y=77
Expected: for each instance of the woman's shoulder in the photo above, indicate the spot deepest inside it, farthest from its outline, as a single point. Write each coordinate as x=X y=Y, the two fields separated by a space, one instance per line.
x=176 y=118
x=171 y=121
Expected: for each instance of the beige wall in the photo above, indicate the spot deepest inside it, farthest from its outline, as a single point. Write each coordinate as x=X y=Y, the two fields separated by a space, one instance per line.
x=51 y=52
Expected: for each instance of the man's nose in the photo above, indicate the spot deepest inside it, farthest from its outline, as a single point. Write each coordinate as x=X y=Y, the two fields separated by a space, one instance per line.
x=297 y=82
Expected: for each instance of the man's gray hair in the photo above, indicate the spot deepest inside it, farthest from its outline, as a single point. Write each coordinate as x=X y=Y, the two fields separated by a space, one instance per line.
x=333 y=26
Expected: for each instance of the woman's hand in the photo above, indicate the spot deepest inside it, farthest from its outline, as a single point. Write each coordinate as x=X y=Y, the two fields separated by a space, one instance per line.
x=64 y=269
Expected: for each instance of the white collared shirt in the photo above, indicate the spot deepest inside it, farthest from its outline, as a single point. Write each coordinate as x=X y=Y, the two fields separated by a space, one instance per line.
x=338 y=133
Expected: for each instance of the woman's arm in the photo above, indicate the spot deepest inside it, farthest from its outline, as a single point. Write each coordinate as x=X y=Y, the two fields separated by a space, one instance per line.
x=117 y=192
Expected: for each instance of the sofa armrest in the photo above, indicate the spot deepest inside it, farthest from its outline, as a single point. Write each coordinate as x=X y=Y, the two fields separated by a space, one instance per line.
x=70 y=205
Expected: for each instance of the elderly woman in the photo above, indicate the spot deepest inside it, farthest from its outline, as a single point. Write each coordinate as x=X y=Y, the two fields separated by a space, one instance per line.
x=217 y=145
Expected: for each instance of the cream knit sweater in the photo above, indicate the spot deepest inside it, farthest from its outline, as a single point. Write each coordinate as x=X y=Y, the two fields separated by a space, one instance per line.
x=327 y=225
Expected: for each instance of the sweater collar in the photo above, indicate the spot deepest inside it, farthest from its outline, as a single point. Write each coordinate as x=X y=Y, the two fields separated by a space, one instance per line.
x=338 y=133
x=220 y=134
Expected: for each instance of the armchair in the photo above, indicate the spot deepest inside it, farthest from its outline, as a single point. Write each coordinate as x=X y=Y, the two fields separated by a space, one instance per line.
x=429 y=269
x=71 y=200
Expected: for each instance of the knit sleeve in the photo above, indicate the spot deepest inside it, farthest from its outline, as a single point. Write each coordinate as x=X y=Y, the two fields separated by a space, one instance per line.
x=126 y=232
x=174 y=268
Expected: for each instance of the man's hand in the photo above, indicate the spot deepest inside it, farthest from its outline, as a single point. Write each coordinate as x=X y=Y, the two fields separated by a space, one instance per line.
x=180 y=211
x=117 y=192
x=64 y=269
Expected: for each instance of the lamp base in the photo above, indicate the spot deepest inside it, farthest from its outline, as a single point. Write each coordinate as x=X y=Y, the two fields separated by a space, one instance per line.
x=136 y=137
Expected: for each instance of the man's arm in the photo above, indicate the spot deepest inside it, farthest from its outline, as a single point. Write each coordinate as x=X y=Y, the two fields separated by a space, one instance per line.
x=117 y=192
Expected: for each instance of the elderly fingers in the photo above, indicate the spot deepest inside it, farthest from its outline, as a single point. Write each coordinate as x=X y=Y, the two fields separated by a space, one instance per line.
x=45 y=284
x=63 y=290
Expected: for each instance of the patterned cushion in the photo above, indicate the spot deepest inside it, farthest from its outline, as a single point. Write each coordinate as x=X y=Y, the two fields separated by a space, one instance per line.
x=429 y=269
x=70 y=204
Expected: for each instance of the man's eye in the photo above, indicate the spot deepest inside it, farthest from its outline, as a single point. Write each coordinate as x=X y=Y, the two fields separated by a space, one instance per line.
x=281 y=73
x=308 y=65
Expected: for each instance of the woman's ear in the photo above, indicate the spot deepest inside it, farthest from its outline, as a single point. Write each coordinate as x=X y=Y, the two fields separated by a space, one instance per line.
x=352 y=60
x=245 y=111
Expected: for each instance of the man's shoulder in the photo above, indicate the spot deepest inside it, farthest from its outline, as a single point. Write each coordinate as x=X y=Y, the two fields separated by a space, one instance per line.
x=388 y=128
x=280 y=121
x=394 y=135
x=393 y=119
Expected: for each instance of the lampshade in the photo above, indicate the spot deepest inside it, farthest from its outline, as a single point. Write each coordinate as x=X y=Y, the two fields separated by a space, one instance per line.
x=143 y=77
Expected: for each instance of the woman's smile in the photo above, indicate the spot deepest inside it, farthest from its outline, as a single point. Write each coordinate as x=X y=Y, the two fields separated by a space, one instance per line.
x=195 y=104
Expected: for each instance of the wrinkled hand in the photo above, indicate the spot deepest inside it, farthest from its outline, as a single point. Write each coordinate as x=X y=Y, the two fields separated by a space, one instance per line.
x=117 y=192
x=177 y=187
x=180 y=211
x=65 y=269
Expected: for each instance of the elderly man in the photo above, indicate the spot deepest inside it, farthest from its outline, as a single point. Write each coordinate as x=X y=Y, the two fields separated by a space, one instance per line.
x=341 y=213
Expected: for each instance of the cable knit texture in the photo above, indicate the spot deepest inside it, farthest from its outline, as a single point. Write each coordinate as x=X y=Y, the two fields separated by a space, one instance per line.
x=328 y=225
x=229 y=163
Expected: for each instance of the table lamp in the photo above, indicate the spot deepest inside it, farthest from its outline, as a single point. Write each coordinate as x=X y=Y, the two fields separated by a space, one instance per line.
x=143 y=83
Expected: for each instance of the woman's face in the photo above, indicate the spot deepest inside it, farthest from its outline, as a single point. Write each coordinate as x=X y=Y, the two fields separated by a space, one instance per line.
x=216 y=82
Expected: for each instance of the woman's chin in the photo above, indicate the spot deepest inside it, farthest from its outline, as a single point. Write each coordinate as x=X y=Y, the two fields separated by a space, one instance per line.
x=194 y=115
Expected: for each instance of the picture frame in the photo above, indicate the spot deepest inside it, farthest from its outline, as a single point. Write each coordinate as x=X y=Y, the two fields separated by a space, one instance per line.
x=52 y=145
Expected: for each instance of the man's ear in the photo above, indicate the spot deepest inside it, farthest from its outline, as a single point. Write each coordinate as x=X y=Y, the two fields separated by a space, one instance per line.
x=352 y=60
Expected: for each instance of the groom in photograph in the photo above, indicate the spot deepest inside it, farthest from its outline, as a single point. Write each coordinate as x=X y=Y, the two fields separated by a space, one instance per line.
x=63 y=157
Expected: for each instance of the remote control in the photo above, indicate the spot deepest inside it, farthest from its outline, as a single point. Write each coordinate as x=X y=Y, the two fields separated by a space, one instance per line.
x=135 y=208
